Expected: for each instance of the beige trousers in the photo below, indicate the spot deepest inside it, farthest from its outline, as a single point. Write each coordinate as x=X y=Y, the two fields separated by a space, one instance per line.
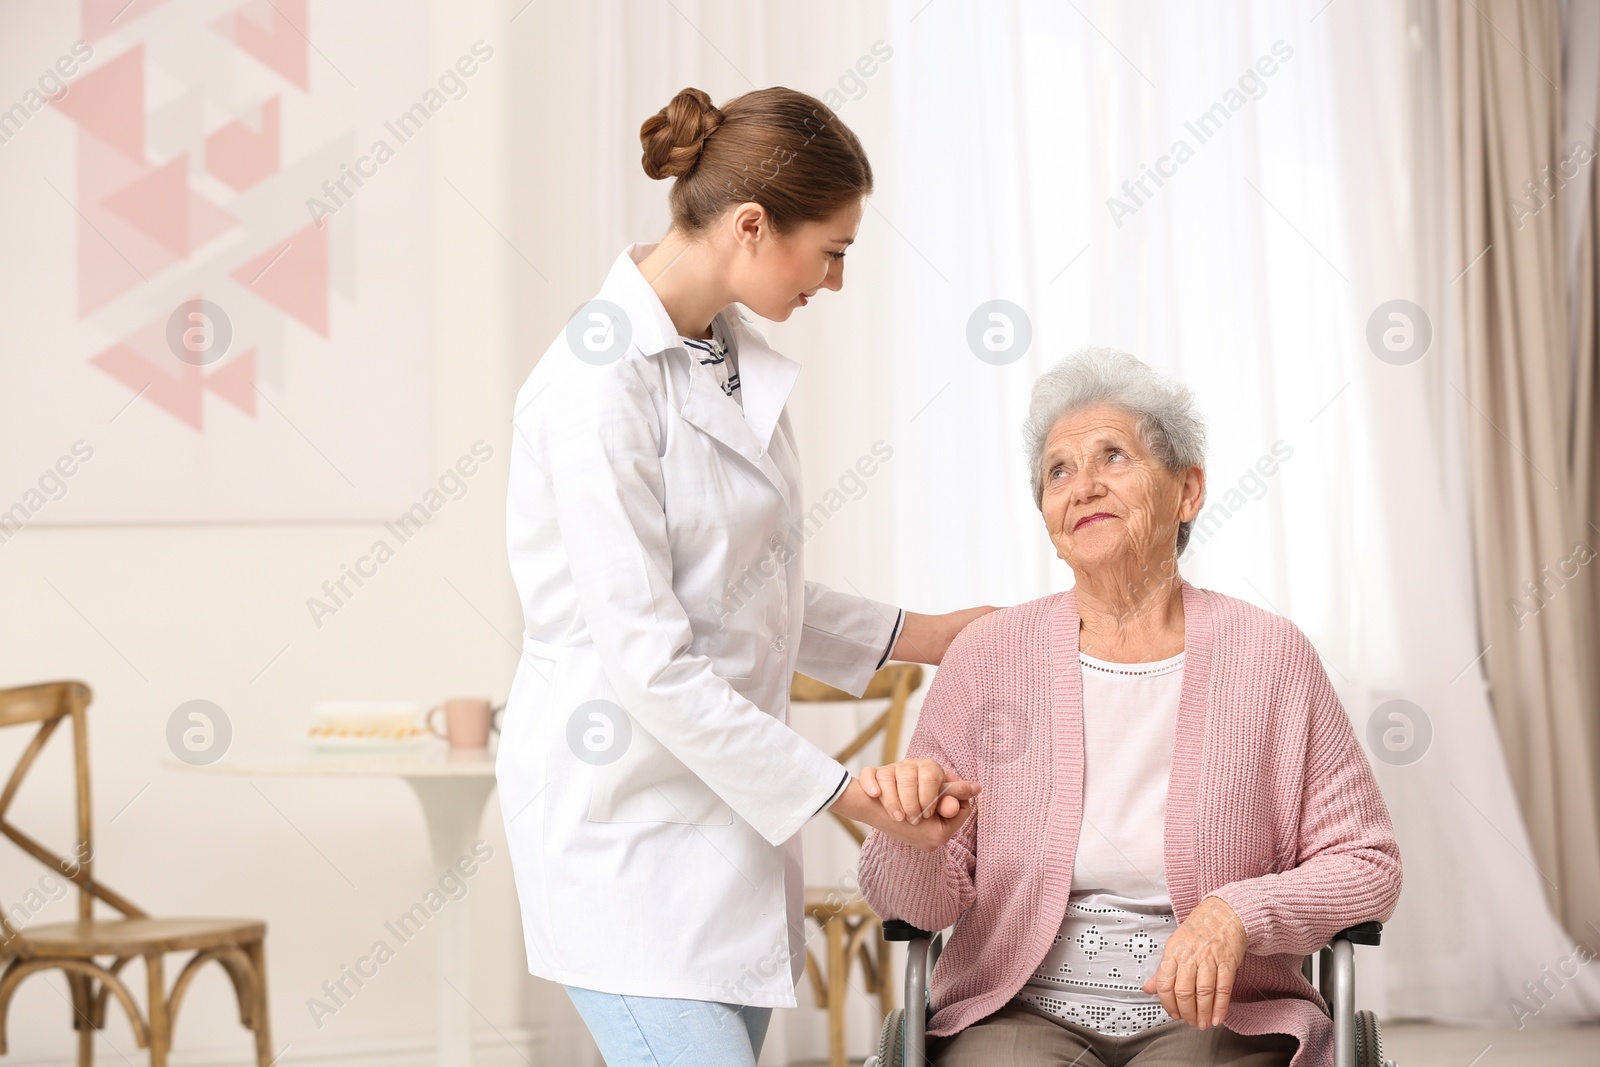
x=1020 y=1035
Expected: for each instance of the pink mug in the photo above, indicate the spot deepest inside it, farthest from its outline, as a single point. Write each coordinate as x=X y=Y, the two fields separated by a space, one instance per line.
x=467 y=721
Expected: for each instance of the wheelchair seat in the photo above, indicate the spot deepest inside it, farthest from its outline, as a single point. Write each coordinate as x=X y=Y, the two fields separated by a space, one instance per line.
x=1357 y=1039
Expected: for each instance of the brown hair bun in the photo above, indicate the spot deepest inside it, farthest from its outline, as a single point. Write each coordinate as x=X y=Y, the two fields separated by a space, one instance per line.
x=674 y=136
x=782 y=149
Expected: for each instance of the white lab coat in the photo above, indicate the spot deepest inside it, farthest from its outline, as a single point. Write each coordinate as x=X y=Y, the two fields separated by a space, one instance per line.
x=655 y=533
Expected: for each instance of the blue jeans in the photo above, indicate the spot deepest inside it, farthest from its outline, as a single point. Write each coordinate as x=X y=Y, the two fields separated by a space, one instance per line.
x=658 y=1032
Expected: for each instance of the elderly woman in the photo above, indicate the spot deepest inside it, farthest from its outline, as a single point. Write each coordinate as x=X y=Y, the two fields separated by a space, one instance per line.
x=1175 y=808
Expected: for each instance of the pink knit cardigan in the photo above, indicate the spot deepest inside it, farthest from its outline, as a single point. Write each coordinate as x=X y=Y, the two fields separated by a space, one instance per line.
x=1271 y=806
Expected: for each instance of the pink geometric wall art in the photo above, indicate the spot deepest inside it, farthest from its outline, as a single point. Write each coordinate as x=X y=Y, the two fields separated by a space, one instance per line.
x=169 y=297
x=160 y=203
x=293 y=277
x=108 y=102
x=270 y=31
x=143 y=362
x=244 y=152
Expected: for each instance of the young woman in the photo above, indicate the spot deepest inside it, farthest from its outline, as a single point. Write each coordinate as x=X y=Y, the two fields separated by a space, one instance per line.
x=652 y=787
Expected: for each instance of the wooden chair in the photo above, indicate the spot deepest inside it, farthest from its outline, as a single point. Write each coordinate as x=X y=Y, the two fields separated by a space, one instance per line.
x=73 y=947
x=851 y=931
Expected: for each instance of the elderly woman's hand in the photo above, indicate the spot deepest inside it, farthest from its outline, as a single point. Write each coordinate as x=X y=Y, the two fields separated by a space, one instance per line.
x=1195 y=977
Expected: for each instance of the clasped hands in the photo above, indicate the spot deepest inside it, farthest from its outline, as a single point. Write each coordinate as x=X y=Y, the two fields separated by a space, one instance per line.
x=913 y=802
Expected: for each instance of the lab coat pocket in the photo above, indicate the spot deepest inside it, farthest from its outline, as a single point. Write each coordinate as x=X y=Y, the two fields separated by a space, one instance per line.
x=522 y=761
x=647 y=783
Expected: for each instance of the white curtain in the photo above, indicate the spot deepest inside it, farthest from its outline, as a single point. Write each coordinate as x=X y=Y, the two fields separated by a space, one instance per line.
x=998 y=132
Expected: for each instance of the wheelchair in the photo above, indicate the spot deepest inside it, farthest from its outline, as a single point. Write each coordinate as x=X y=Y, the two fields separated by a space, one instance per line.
x=1357 y=1041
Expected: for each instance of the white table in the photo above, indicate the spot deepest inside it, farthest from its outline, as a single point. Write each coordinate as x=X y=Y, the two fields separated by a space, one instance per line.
x=453 y=786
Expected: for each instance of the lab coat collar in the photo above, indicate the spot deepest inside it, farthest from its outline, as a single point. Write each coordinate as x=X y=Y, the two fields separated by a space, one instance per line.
x=766 y=377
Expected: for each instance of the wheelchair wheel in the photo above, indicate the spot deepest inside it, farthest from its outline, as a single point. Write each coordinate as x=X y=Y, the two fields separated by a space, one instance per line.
x=1369 y=1040
x=891 y=1041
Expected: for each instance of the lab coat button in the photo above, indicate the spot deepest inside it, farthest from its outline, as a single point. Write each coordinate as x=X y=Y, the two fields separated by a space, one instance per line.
x=776 y=542
x=761 y=452
x=779 y=643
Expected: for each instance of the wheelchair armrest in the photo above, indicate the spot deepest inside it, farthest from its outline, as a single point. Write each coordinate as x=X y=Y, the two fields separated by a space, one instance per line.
x=922 y=947
x=1337 y=977
x=900 y=930
x=1368 y=933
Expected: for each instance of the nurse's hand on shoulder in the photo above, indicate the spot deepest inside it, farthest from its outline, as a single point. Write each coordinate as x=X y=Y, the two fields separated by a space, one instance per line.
x=911 y=800
x=926 y=638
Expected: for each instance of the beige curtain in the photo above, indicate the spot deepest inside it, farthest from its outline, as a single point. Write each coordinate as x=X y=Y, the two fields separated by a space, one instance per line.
x=1584 y=314
x=1529 y=419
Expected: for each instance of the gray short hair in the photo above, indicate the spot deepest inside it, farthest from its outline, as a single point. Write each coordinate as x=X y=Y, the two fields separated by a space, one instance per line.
x=1168 y=423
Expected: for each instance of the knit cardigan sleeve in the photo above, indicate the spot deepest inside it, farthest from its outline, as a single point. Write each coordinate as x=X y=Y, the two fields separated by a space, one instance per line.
x=930 y=889
x=1346 y=866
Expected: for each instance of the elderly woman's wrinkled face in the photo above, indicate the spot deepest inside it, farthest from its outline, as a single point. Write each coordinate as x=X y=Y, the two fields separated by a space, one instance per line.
x=1107 y=500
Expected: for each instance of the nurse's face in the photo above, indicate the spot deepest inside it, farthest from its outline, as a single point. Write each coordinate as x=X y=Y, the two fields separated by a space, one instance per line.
x=772 y=274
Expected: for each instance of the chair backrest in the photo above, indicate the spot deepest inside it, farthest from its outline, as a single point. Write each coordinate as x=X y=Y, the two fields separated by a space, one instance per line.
x=48 y=705
x=894 y=681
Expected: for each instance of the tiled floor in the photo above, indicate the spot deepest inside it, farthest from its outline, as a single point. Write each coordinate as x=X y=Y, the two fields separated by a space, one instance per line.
x=1425 y=1045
